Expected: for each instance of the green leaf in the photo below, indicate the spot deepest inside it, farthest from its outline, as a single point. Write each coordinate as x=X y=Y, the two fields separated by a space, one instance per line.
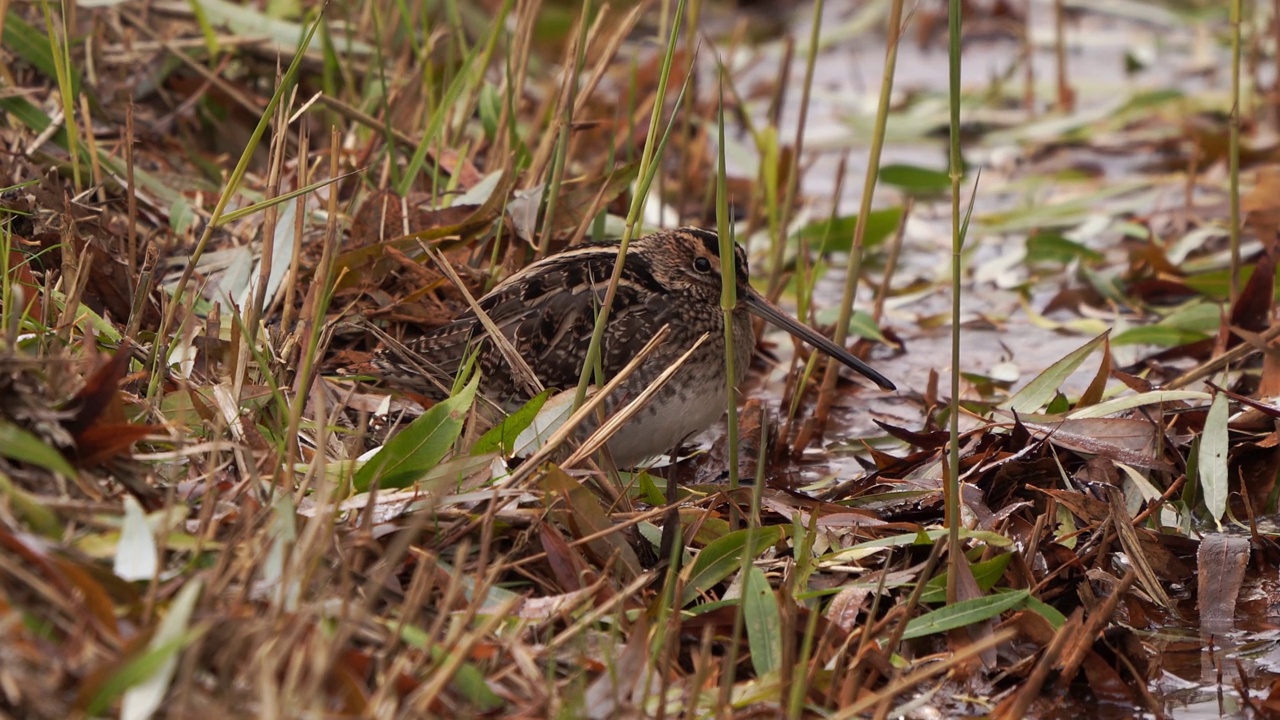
x=964 y=613
x=1045 y=610
x=721 y=558
x=861 y=323
x=1214 y=472
x=469 y=681
x=18 y=444
x=915 y=180
x=29 y=508
x=763 y=621
x=1217 y=283
x=502 y=437
x=282 y=36
x=466 y=679
x=987 y=573
x=923 y=537
x=1152 y=99
x=836 y=234
x=1198 y=315
x=1129 y=402
x=1044 y=386
x=1058 y=405
x=1158 y=335
x=419 y=447
x=144 y=680
x=1117 y=197
x=32 y=45
x=647 y=489
x=489 y=108
x=1052 y=247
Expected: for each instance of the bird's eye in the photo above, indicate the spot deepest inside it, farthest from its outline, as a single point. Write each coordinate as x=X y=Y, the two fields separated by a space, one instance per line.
x=702 y=265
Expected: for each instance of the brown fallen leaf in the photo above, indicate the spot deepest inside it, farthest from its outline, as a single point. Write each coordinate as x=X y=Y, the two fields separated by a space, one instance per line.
x=1221 y=562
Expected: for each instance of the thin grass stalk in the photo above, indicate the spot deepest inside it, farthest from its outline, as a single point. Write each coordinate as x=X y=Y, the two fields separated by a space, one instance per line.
x=750 y=206
x=437 y=131
x=728 y=302
x=1253 y=54
x=234 y=92
x=498 y=25
x=1028 y=67
x=891 y=261
x=207 y=31
x=956 y=659
x=453 y=20
x=131 y=191
x=319 y=530
x=608 y=52
x=162 y=348
x=259 y=355
x=551 y=108
x=552 y=192
x=728 y=292
x=703 y=661
x=60 y=50
x=91 y=148
x=145 y=281
x=859 y=672
x=521 y=47
x=854 y=267
x=592 y=615
x=783 y=218
x=75 y=278
x=398 y=647
x=1233 y=153
x=254 y=312
x=955 y=172
x=1275 y=72
x=648 y=168
x=506 y=140
x=11 y=309
x=804 y=300
x=424 y=699
x=798 y=688
x=521 y=373
x=666 y=609
x=288 y=306
x=384 y=97
x=323 y=289
x=1060 y=56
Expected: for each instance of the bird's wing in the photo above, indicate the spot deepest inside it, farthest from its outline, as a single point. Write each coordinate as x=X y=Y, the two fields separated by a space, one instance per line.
x=548 y=311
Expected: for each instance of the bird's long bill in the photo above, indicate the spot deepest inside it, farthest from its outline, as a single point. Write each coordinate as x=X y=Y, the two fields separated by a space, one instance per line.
x=757 y=304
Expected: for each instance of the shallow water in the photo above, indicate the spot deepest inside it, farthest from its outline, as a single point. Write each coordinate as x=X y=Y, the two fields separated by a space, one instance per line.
x=1199 y=674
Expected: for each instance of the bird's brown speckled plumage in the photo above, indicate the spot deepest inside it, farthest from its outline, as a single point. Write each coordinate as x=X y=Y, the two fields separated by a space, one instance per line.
x=548 y=309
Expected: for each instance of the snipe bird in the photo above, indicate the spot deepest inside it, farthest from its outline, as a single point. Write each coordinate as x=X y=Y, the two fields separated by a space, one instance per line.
x=548 y=310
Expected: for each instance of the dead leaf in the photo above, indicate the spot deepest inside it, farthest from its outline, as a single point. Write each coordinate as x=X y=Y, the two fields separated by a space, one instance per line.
x=1221 y=562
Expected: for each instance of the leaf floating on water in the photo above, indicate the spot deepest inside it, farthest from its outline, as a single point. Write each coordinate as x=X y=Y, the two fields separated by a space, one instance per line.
x=1130 y=441
x=1221 y=561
